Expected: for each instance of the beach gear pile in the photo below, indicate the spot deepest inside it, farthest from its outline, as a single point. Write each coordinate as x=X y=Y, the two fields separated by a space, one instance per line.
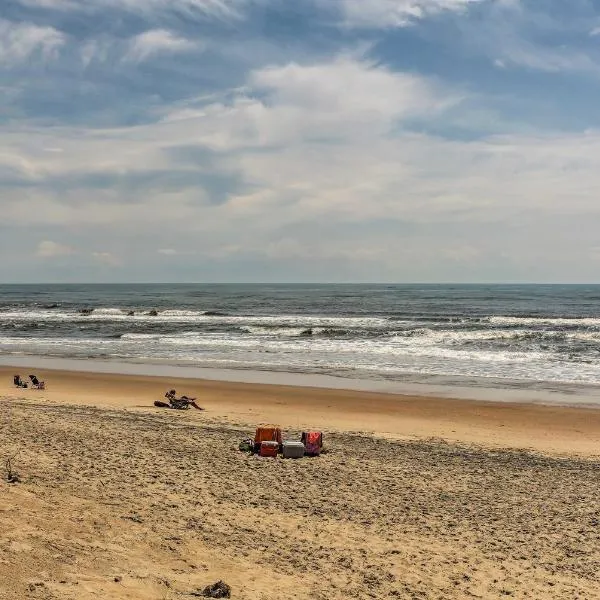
x=268 y=442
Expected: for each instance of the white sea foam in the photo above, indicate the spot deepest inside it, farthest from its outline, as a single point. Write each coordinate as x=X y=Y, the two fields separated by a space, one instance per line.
x=146 y=337
x=422 y=340
x=394 y=357
x=110 y=312
x=282 y=331
x=538 y=321
x=185 y=316
x=501 y=347
x=300 y=321
x=191 y=314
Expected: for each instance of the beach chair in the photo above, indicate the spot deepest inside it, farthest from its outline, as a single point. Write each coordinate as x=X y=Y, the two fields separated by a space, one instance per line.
x=36 y=383
x=19 y=382
x=313 y=442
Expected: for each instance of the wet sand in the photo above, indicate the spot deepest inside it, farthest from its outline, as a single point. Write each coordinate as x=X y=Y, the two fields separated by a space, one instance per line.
x=555 y=429
x=414 y=498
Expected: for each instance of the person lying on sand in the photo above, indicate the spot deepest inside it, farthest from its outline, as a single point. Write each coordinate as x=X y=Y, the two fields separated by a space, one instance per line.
x=176 y=402
x=36 y=383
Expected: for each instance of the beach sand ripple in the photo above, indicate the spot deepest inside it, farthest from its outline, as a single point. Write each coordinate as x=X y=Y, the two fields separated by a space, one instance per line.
x=126 y=504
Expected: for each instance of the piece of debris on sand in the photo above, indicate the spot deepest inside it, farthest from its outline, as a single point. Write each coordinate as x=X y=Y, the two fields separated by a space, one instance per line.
x=216 y=590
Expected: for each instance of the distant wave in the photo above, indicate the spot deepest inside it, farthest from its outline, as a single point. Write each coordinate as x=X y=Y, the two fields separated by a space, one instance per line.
x=538 y=321
x=55 y=313
x=189 y=316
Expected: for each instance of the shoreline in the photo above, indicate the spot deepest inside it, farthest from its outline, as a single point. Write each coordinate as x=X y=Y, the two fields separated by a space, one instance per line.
x=550 y=429
x=433 y=386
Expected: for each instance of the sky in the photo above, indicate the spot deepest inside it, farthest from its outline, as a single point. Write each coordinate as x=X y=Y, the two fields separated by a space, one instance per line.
x=305 y=141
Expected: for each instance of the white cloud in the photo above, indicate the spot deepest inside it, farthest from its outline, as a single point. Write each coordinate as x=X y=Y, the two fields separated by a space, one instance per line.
x=157 y=41
x=393 y=13
x=290 y=248
x=220 y=9
x=461 y=252
x=302 y=103
x=21 y=41
x=348 y=86
x=106 y=258
x=51 y=4
x=307 y=151
x=346 y=98
x=308 y=158
x=211 y=8
x=96 y=50
x=50 y=249
x=518 y=34
x=522 y=53
x=353 y=13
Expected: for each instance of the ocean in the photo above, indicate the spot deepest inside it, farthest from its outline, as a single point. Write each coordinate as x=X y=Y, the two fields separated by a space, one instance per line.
x=511 y=335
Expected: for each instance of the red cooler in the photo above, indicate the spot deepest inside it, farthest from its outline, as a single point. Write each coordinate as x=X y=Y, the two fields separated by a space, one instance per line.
x=269 y=448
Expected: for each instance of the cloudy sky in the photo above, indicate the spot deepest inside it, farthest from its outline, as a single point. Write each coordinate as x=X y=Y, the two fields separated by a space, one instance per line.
x=313 y=140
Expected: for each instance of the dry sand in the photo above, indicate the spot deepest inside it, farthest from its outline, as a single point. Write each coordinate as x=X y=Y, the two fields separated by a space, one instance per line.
x=415 y=497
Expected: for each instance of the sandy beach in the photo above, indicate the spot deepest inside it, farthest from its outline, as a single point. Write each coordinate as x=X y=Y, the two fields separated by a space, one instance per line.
x=414 y=498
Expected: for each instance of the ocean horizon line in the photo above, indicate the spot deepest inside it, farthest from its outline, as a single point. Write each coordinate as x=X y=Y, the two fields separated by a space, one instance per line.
x=303 y=283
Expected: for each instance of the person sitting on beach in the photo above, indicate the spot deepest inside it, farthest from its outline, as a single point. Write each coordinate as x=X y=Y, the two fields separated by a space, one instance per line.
x=176 y=402
x=19 y=382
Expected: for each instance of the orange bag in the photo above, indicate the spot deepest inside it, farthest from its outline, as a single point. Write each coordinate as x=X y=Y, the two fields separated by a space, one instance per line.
x=268 y=433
